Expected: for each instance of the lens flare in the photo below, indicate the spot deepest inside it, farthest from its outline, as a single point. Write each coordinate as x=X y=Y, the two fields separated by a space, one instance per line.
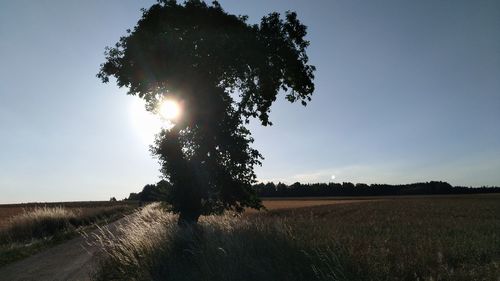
x=147 y=124
x=169 y=109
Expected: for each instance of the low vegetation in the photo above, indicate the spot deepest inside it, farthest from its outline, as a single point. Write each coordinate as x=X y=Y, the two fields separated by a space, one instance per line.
x=38 y=227
x=38 y=223
x=401 y=239
x=152 y=247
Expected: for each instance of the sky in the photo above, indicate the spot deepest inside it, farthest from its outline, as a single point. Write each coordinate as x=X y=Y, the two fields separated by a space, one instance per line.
x=406 y=91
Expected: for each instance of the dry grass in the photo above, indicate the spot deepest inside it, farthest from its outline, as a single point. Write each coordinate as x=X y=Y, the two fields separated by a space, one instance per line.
x=8 y=211
x=29 y=230
x=38 y=223
x=41 y=222
x=6 y=214
x=401 y=239
x=137 y=238
x=150 y=246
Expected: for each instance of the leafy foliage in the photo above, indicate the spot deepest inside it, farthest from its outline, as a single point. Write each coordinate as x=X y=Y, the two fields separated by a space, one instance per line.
x=223 y=71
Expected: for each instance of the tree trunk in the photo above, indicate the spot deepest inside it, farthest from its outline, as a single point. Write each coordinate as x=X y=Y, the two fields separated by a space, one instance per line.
x=187 y=218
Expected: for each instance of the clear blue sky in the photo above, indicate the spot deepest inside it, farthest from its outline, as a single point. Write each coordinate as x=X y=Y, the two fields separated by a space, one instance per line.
x=406 y=91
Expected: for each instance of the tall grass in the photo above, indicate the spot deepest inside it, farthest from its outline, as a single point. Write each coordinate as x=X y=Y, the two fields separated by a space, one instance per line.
x=42 y=222
x=37 y=228
x=38 y=223
x=411 y=239
x=150 y=246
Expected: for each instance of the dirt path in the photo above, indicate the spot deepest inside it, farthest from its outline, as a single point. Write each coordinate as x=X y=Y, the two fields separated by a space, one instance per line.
x=71 y=260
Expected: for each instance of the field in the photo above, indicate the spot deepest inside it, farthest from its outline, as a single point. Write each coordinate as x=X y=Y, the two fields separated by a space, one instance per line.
x=29 y=228
x=7 y=211
x=275 y=203
x=287 y=203
x=393 y=238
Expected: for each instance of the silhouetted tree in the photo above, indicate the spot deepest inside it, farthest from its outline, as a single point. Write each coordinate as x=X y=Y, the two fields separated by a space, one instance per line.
x=223 y=71
x=148 y=193
x=155 y=192
x=133 y=196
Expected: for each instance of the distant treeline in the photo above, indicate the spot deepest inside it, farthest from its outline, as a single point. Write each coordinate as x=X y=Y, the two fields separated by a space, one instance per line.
x=360 y=189
x=160 y=190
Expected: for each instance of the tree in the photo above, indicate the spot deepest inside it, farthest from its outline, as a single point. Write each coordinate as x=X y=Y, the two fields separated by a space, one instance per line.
x=154 y=192
x=224 y=72
x=147 y=193
x=133 y=197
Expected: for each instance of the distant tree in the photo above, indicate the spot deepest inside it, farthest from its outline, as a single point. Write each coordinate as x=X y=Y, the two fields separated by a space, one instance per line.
x=348 y=185
x=147 y=193
x=361 y=185
x=155 y=192
x=133 y=196
x=112 y=199
x=282 y=188
x=224 y=71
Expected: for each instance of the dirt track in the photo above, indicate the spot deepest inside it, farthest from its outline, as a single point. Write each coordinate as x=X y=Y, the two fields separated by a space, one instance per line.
x=71 y=260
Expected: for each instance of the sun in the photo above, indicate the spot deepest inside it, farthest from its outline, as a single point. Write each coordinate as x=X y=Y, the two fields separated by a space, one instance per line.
x=169 y=109
x=147 y=124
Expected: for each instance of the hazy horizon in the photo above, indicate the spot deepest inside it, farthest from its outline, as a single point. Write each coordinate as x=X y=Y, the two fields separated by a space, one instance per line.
x=406 y=91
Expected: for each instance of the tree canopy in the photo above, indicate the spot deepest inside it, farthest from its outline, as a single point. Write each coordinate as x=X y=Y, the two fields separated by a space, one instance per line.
x=223 y=71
